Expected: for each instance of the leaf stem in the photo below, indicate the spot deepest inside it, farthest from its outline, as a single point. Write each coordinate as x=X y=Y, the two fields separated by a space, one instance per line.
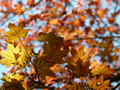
x=24 y=46
x=25 y=49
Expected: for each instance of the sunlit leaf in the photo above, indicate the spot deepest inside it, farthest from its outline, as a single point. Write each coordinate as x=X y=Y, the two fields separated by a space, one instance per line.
x=103 y=70
x=15 y=32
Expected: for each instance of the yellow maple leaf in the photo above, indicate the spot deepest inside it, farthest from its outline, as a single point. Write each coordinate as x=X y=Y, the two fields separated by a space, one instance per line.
x=103 y=70
x=11 y=56
x=50 y=37
x=14 y=56
x=15 y=32
x=14 y=82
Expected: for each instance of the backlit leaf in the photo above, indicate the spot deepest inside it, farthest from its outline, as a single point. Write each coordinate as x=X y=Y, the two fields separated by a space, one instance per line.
x=11 y=56
x=15 y=32
x=54 y=53
x=103 y=70
x=79 y=63
x=50 y=37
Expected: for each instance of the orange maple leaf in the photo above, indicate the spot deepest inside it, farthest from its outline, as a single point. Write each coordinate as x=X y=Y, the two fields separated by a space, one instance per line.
x=31 y=2
x=79 y=63
x=103 y=70
x=99 y=84
x=18 y=9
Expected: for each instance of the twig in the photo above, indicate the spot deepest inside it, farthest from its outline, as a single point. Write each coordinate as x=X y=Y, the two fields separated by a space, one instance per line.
x=116 y=86
x=94 y=38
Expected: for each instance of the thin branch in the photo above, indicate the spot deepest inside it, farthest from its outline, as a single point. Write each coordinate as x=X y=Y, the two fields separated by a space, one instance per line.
x=94 y=38
x=37 y=2
x=116 y=86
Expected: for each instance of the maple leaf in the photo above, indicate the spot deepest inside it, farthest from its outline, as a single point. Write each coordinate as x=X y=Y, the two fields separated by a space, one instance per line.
x=58 y=68
x=14 y=56
x=18 y=9
x=81 y=69
x=99 y=84
x=77 y=23
x=43 y=67
x=75 y=86
x=78 y=63
x=31 y=2
x=54 y=54
x=10 y=57
x=116 y=50
x=50 y=37
x=15 y=32
x=14 y=82
x=55 y=22
x=103 y=70
x=25 y=53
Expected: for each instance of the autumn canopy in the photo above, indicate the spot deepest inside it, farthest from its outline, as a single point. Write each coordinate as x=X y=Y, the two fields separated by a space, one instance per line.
x=60 y=44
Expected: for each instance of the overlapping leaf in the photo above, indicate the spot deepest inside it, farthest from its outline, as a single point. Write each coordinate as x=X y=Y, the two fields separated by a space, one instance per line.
x=99 y=84
x=82 y=69
x=78 y=63
x=15 y=32
x=54 y=53
x=11 y=56
x=75 y=86
x=43 y=67
x=50 y=37
x=103 y=70
x=14 y=82
x=14 y=56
